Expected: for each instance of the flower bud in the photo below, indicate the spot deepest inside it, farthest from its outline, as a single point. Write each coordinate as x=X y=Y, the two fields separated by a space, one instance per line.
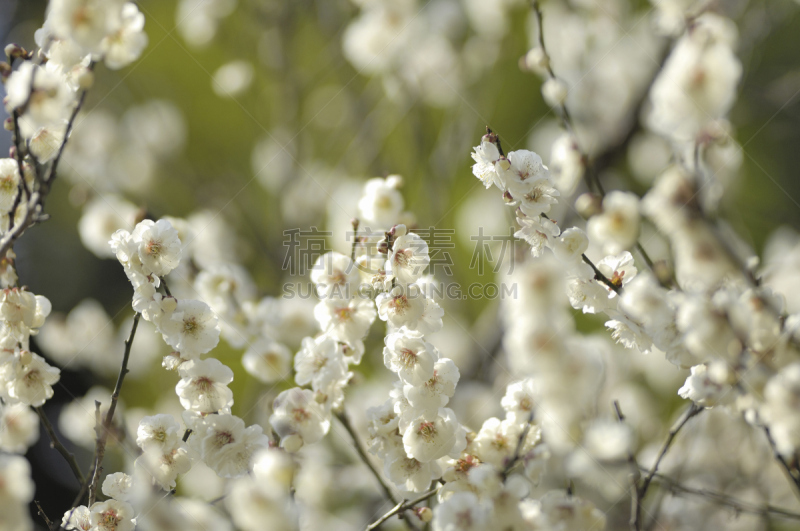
x=292 y=443
x=15 y=51
x=383 y=247
x=398 y=230
x=85 y=78
x=508 y=198
x=168 y=304
x=588 y=205
x=395 y=181
x=554 y=92
x=25 y=357
x=8 y=124
x=502 y=163
x=536 y=60
x=425 y=514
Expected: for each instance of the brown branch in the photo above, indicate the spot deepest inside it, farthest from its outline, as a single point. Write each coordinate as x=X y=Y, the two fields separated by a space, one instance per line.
x=723 y=499
x=592 y=181
x=345 y=421
x=790 y=471
x=598 y=275
x=690 y=412
x=54 y=165
x=364 y=457
x=404 y=505
x=56 y=443
x=518 y=450
x=41 y=512
x=103 y=431
x=635 y=521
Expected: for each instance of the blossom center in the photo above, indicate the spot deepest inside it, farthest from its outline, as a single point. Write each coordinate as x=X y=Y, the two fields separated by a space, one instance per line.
x=427 y=430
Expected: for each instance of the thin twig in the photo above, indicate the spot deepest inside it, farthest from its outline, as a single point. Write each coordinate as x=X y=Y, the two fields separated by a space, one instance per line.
x=41 y=512
x=690 y=412
x=723 y=499
x=56 y=443
x=345 y=421
x=51 y=176
x=102 y=437
x=790 y=471
x=518 y=450
x=592 y=181
x=598 y=275
x=402 y=506
x=636 y=497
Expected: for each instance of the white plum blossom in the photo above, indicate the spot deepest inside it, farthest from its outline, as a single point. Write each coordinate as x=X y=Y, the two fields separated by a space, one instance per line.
x=408 y=307
x=409 y=474
x=435 y=392
x=9 y=182
x=335 y=275
x=77 y=519
x=485 y=157
x=617 y=227
x=125 y=44
x=296 y=414
x=345 y=320
x=569 y=247
x=520 y=171
x=204 y=385
x=28 y=378
x=410 y=356
x=319 y=362
x=267 y=361
x=227 y=446
x=111 y=515
x=381 y=204
x=519 y=400
x=408 y=258
x=430 y=437
x=159 y=246
x=191 y=328
x=19 y=428
x=538 y=232
x=463 y=511
x=159 y=431
x=118 y=486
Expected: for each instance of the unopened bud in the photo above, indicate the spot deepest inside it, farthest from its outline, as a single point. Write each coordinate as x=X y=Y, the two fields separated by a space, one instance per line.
x=8 y=124
x=663 y=272
x=355 y=223
x=12 y=152
x=554 y=92
x=292 y=443
x=168 y=304
x=535 y=60
x=425 y=514
x=395 y=181
x=84 y=77
x=383 y=247
x=399 y=230
x=507 y=197
x=25 y=357
x=5 y=69
x=588 y=205
x=15 y=51
x=502 y=163
x=490 y=137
